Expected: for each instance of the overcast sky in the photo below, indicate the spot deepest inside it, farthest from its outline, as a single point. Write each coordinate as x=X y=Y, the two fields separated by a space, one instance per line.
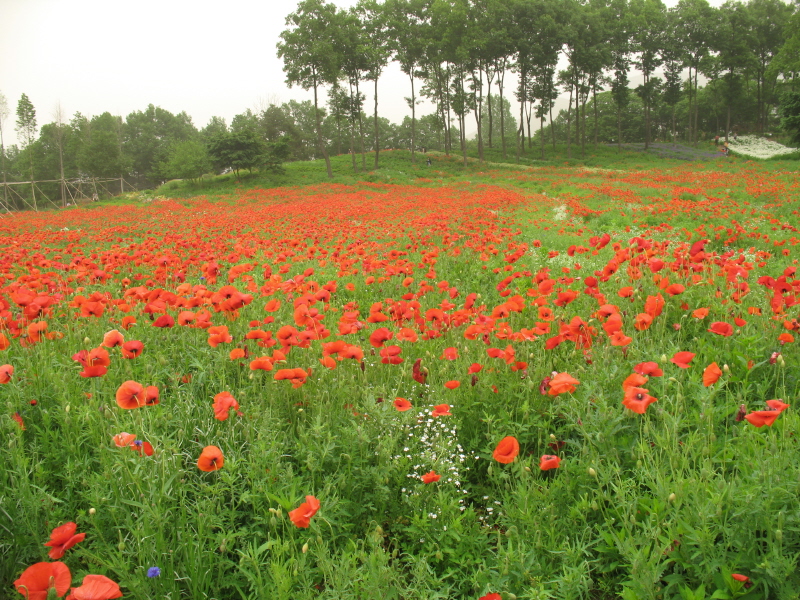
x=202 y=56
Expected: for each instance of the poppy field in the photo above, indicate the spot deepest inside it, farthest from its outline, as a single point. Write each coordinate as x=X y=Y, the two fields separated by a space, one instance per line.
x=546 y=383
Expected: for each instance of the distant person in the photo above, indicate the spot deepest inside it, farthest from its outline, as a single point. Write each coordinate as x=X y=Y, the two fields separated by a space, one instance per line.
x=716 y=141
x=429 y=162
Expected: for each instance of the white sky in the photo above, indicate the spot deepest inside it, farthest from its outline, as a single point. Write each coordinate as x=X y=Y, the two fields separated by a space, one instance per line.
x=203 y=56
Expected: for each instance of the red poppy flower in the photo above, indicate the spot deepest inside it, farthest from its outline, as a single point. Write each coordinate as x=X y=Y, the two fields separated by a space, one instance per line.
x=301 y=516
x=742 y=578
x=211 y=459
x=430 y=477
x=507 y=450
x=700 y=313
x=759 y=418
x=151 y=395
x=492 y=596
x=124 y=439
x=474 y=368
x=449 y=354
x=711 y=374
x=561 y=384
x=441 y=410
x=62 y=539
x=164 y=321
x=96 y=587
x=402 y=405
x=721 y=328
x=390 y=355
x=453 y=384
x=778 y=405
x=262 y=363
x=132 y=349
x=642 y=322
x=37 y=579
x=548 y=461
x=650 y=369
x=113 y=338
x=131 y=395
x=18 y=418
x=380 y=336
x=638 y=399
x=634 y=380
x=223 y=403
x=419 y=374
x=296 y=376
x=682 y=359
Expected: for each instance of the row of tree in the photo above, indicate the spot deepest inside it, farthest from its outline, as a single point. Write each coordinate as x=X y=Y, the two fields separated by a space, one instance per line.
x=457 y=53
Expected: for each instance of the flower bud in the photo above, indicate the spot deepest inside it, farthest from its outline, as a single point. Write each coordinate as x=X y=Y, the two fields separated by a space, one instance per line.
x=92 y=511
x=592 y=472
x=304 y=549
x=726 y=369
x=87 y=341
x=663 y=358
x=672 y=497
x=66 y=408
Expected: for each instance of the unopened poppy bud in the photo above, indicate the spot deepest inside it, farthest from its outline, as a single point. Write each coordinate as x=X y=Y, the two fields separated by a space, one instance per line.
x=528 y=469
x=553 y=437
x=273 y=522
x=672 y=497
x=594 y=505
x=638 y=464
x=726 y=368
x=663 y=358
x=592 y=472
x=346 y=457
x=251 y=376
x=511 y=597
x=66 y=408
x=121 y=546
x=319 y=540
x=304 y=549
x=778 y=535
x=86 y=340
x=299 y=410
x=92 y=511
x=439 y=555
x=781 y=362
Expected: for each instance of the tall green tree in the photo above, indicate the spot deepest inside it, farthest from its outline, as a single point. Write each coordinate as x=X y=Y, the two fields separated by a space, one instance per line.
x=732 y=43
x=695 y=30
x=375 y=22
x=649 y=25
x=26 y=133
x=768 y=20
x=406 y=42
x=311 y=54
x=148 y=135
x=101 y=154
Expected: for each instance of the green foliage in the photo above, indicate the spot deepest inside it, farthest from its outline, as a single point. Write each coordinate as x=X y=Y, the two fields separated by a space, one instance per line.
x=790 y=114
x=186 y=160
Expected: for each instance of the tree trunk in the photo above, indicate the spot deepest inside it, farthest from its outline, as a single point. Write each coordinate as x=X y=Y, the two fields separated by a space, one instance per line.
x=541 y=130
x=619 y=129
x=552 y=124
x=594 y=99
x=696 y=102
x=489 y=103
x=569 y=123
x=646 y=113
x=478 y=98
x=377 y=129
x=320 y=145
x=413 y=116
x=502 y=108
x=361 y=132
